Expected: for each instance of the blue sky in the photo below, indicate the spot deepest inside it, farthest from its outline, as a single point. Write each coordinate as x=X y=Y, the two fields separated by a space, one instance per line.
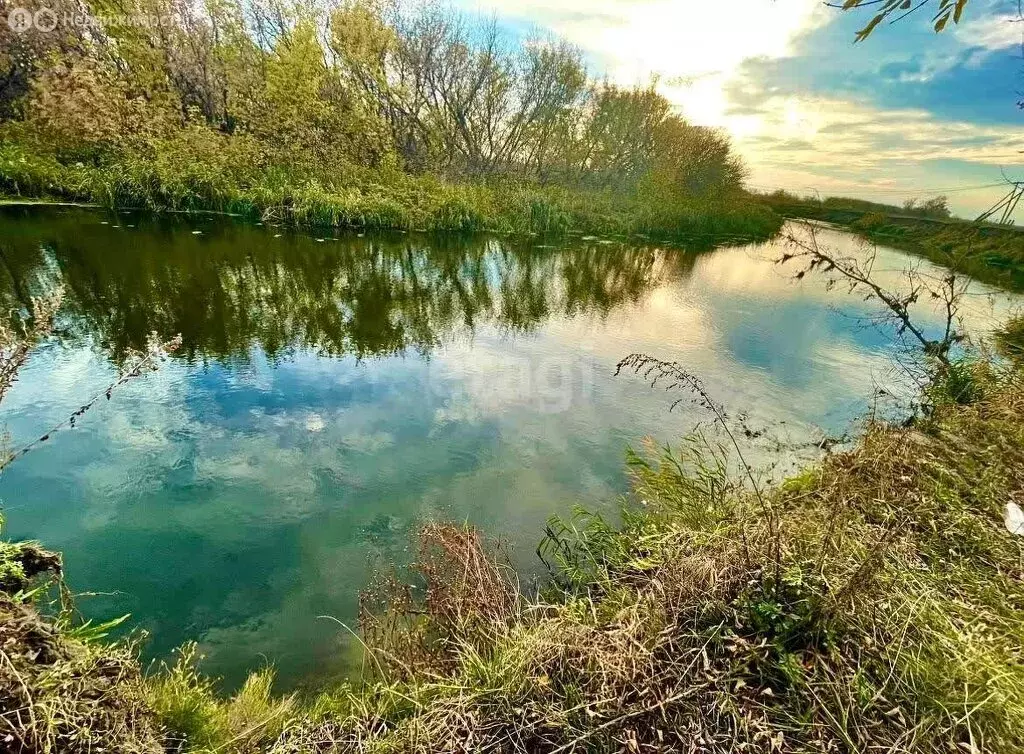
x=906 y=113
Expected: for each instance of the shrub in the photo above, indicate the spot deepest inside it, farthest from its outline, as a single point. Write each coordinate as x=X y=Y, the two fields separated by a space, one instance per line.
x=962 y=382
x=870 y=222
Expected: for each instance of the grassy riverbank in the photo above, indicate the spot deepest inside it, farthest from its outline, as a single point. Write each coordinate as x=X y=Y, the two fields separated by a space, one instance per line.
x=872 y=602
x=989 y=253
x=361 y=116
x=366 y=200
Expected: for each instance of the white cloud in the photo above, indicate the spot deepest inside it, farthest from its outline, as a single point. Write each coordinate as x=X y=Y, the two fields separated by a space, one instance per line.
x=702 y=50
x=833 y=146
x=999 y=32
x=858 y=135
x=698 y=42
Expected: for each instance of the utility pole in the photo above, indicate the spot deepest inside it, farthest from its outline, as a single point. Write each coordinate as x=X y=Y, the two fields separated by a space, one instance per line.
x=1007 y=205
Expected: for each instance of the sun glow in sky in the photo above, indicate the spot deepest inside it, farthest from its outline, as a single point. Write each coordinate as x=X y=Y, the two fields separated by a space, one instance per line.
x=906 y=113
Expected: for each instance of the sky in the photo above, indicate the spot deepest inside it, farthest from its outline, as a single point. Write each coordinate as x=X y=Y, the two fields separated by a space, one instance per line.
x=906 y=113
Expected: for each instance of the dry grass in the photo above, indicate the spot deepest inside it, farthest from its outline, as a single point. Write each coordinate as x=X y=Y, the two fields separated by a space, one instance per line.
x=461 y=593
x=60 y=695
x=1010 y=338
x=891 y=621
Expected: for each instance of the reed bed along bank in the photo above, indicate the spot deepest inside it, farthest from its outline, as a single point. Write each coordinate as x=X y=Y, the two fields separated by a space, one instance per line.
x=375 y=200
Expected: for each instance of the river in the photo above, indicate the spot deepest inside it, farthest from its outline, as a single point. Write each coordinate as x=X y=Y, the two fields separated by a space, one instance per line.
x=334 y=392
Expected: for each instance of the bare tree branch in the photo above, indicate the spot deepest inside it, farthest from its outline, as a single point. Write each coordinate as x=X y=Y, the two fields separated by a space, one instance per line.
x=805 y=249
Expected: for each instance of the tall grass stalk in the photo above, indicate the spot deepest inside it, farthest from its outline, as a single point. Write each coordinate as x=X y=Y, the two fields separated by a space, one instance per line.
x=222 y=181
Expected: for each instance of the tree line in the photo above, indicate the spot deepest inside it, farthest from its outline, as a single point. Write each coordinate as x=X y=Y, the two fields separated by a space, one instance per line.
x=343 y=85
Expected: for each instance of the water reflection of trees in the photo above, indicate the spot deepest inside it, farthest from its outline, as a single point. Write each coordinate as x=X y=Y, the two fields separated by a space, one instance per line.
x=236 y=287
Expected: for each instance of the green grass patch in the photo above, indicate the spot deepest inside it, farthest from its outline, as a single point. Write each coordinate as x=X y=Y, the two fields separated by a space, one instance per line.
x=990 y=253
x=204 y=173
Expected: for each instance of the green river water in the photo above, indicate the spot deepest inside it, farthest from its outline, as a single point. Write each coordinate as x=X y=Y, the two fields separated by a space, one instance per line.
x=334 y=393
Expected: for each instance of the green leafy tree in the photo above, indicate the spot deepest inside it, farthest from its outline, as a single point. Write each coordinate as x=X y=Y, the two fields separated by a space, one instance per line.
x=892 y=11
x=620 y=134
x=693 y=161
x=210 y=97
